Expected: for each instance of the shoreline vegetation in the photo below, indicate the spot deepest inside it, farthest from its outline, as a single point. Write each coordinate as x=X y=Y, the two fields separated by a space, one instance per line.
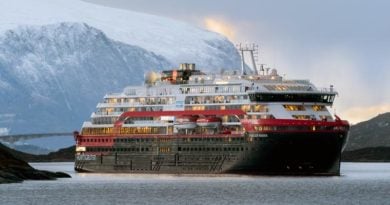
x=15 y=169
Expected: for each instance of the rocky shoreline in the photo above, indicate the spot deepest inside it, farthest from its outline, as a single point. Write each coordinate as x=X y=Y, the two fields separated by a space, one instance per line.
x=13 y=169
x=369 y=154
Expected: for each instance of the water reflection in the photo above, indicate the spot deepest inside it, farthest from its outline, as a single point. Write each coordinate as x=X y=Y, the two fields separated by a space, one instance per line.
x=360 y=183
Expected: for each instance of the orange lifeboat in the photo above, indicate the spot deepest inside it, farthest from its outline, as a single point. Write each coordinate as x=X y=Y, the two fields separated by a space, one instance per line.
x=185 y=122
x=210 y=122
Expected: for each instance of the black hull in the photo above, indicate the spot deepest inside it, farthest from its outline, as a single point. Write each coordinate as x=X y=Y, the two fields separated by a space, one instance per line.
x=277 y=154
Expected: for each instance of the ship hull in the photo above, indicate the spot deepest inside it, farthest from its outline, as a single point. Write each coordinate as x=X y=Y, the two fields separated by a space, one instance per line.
x=270 y=153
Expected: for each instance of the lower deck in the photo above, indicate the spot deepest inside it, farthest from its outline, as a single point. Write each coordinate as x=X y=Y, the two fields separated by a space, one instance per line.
x=272 y=153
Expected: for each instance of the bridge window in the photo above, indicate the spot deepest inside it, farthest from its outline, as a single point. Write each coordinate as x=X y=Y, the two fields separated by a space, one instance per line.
x=294 y=107
x=319 y=108
x=302 y=117
x=292 y=97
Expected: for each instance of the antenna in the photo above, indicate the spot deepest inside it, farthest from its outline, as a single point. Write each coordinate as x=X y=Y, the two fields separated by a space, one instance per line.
x=261 y=65
x=253 y=50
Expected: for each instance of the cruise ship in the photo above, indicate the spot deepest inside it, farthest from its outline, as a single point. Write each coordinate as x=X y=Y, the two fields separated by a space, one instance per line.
x=186 y=121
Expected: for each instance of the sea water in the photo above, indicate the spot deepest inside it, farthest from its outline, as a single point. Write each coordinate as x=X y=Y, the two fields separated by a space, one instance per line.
x=360 y=183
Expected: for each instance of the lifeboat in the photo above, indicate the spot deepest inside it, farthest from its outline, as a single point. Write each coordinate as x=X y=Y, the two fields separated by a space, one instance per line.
x=210 y=122
x=185 y=122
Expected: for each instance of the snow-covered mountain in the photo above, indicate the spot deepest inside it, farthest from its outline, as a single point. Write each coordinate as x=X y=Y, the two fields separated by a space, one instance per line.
x=58 y=58
x=177 y=41
x=53 y=76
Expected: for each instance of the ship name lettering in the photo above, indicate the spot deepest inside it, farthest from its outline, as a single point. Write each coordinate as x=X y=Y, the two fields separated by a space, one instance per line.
x=86 y=157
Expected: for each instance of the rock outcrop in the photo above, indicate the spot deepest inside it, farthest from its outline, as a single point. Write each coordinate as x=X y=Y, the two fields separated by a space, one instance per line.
x=13 y=169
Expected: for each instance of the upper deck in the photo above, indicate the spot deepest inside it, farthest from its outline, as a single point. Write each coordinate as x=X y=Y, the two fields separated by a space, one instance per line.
x=188 y=81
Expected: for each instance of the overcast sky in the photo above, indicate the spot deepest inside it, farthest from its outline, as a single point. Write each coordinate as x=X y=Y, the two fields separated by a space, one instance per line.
x=341 y=42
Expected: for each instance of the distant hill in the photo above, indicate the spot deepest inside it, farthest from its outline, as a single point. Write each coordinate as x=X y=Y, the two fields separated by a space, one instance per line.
x=62 y=155
x=369 y=141
x=31 y=149
x=372 y=133
x=372 y=154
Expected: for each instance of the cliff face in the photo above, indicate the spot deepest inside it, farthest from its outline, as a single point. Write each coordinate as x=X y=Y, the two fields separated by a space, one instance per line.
x=13 y=169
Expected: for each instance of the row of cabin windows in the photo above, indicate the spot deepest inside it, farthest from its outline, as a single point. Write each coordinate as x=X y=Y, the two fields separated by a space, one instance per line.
x=132 y=140
x=118 y=149
x=245 y=108
x=104 y=120
x=212 y=89
x=298 y=128
x=214 y=99
x=312 y=117
x=113 y=110
x=96 y=140
x=228 y=149
x=290 y=107
x=124 y=130
x=142 y=101
x=124 y=140
x=232 y=139
x=96 y=131
x=166 y=149
x=142 y=130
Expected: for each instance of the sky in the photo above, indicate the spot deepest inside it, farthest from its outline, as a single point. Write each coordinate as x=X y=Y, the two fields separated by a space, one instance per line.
x=345 y=43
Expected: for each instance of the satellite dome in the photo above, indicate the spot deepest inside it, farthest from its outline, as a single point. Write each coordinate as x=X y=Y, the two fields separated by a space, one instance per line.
x=274 y=72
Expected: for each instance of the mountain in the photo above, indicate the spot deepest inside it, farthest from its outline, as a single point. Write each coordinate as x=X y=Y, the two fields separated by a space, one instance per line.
x=177 y=41
x=52 y=76
x=59 y=58
x=372 y=133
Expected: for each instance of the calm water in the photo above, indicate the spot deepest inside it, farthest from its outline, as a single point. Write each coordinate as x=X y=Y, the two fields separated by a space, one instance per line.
x=360 y=183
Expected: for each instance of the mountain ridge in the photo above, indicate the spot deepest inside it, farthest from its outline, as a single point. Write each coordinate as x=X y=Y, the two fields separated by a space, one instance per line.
x=177 y=41
x=54 y=75
x=374 y=132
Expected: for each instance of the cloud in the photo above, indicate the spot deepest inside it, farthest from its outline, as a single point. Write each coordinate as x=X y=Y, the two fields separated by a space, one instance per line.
x=359 y=114
x=220 y=26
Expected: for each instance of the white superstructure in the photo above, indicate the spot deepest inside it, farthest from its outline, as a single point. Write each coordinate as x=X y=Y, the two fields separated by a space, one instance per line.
x=186 y=88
